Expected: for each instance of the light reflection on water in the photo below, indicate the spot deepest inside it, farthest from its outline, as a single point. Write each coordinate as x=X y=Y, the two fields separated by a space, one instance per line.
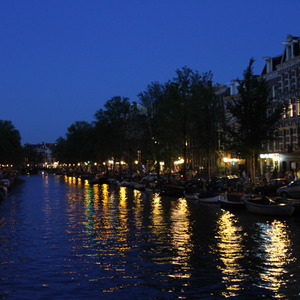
x=230 y=249
x=265 y=256
x=181 y=238
x=275 y=246
x=64 y=238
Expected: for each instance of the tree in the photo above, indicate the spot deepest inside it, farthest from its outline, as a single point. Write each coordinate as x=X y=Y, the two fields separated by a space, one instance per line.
x=151 y=141
x=78 y=146
x=194 y=115
x=10 y=144
x=112 y=126
x=250 y=124
x=59 y=151
x=207 y=118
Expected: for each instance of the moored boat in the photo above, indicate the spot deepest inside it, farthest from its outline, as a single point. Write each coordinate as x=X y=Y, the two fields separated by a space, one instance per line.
x=172 y=190
x=291 y=201
x=231 y=200
x=208 y=197
x=264 y=205
x=204 y=196
x=191 y=196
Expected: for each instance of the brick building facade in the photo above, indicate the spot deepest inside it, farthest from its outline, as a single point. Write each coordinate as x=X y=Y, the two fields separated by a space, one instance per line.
x=282 y=73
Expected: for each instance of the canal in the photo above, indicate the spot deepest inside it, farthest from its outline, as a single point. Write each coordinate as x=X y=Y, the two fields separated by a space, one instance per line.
x=61 y=238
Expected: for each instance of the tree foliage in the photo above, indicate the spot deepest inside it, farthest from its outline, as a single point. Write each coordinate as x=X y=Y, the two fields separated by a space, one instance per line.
x=78 y=145
x=181 y=118
x=117 y=130
x=10 y=144
x=180 y=115
x=250 y=123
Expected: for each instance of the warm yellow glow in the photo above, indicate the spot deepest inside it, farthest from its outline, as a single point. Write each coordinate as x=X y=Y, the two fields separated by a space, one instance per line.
x=105 y=193
x=276 y=246
x=230 y=159
x=179 y=161
x=180 y=235
x=162 y=163
x=229 y=236
x=136 y=162
x=274 y=156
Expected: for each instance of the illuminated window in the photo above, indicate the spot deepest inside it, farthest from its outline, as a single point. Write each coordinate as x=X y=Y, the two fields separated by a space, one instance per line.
x=291 y=111
x=284 y=112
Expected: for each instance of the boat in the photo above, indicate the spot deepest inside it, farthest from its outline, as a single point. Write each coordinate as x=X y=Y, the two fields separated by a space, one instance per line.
x=291 y=201
x=208 y=197
x=5 y=184
x=113 y=181
x=191 y=196
x=138 y=186
x=263 y=205
x=203 y=196
x=97 y=180
x=172 y=190
x=194 y=189
x=232 y=200
x=151 y=187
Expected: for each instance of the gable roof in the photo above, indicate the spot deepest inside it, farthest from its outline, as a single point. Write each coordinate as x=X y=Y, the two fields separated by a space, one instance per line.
x=291 y=50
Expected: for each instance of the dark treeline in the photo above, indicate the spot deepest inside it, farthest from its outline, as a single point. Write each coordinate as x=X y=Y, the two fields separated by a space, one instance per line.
x=169 y=120
x=180 y=118
x=11 y=151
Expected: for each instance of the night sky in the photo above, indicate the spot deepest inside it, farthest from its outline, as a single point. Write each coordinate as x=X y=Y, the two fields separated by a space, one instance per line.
x=62 y=60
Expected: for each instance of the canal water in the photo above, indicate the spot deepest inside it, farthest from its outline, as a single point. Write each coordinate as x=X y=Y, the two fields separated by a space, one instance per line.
x=61 y=238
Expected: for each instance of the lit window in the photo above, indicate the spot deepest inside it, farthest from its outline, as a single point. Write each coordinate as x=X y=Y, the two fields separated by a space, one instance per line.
x=291 y=108
x=284 y=112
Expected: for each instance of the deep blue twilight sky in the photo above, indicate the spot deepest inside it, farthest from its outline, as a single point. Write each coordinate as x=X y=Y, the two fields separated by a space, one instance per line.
x=61 y=60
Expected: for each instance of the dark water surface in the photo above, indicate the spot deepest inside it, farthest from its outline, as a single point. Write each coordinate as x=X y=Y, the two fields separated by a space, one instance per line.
x=61 y=238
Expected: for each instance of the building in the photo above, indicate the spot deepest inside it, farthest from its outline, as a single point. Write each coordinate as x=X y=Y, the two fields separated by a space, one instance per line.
x=282 y=73
x=39 y=155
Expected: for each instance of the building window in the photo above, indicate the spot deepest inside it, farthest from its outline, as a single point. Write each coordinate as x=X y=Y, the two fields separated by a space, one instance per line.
x=298 y=137
x=274 y=92
x=276 y=141
x=289 y=81
x=288 y=52
x=291 y=111
x=298 y=106
x=283 y=139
